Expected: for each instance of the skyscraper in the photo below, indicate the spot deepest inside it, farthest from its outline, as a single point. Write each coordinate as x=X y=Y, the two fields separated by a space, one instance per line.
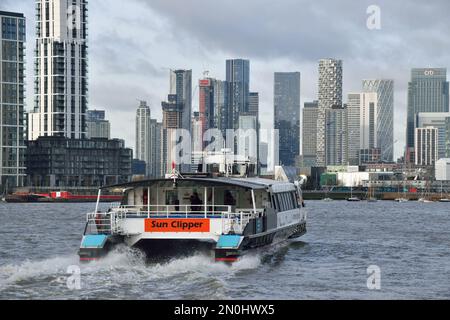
x=12 y=94
x=238 y=80
x=155 y=169
x=221 y=114
x=428 y=91
x=197 y=141
x=253 y=109
x=206 y=108
x=143 y=144
x=330 y=96
x=287 y=115
x=309 y=133
x=336 y=135
x=177 y=115
x=97 y=125
x=253 y=103
x=61 y=70
x=362 y=110
x=181 y=87
x=385 y=119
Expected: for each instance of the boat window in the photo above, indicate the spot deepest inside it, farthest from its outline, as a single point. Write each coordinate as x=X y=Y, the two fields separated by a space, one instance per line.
x=294 y=200
x=287 y=204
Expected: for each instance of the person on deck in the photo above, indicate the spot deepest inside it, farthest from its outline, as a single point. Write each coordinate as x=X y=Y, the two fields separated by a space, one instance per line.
x=196 y=202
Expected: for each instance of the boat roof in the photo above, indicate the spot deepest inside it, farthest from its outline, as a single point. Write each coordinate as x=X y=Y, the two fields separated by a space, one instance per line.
x=246 y=183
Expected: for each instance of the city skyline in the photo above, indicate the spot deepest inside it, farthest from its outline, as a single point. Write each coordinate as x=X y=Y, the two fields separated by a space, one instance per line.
x=146 y=73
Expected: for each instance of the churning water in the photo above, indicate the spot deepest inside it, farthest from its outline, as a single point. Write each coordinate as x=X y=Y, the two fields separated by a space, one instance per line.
x=409 y=242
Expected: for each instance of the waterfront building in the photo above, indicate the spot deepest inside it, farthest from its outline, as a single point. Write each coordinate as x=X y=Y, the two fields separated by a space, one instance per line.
x=61 y=81
x=12 y=99
x=62 y=162
x=437 y=120
x=384 y=89
x=330 y=96
x=238 y=86
x=309 y=134
x=97 y=125
x=287 y=115
x=428 y=91
x=442 y=169
x=336 y=135
x=426 y=146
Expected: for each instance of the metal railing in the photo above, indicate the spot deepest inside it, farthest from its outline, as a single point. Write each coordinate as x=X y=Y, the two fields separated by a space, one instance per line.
x=172 y=211
x=110 y=222
x=99 y=223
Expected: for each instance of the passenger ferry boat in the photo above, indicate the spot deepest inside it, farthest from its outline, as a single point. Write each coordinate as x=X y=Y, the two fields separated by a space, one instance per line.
x=184 y=213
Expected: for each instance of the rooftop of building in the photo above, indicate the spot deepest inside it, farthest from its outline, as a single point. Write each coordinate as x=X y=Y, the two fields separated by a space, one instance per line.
x=12 y=14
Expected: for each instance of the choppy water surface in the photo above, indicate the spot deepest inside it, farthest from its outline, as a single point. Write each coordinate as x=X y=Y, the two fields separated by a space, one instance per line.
x=410 y=242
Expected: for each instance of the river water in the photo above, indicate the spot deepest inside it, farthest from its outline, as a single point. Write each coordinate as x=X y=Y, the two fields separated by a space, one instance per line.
x=409 y=242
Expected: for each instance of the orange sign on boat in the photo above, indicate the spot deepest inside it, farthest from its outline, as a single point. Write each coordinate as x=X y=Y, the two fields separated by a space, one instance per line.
x=177 y=225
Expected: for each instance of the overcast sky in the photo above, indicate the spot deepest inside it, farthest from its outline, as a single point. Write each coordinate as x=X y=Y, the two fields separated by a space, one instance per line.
x=134 y=43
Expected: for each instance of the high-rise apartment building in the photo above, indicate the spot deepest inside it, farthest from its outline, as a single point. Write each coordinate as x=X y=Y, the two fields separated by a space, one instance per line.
x=336 y=135
x=287 y=115
x=385 y=119
x=428 y=91
x=12 y=95
x=330 y=96
x=143 y=145
x=61 y=94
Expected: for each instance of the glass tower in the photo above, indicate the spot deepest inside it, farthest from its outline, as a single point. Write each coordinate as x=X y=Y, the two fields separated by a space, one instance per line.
x=238 y=79
x=287 y=115
x=12 y=115
x=427 y=92
x=384 y=89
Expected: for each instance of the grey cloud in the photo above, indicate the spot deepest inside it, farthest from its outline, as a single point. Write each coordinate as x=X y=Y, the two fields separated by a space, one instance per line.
x=122 y=55
x=306 y=30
